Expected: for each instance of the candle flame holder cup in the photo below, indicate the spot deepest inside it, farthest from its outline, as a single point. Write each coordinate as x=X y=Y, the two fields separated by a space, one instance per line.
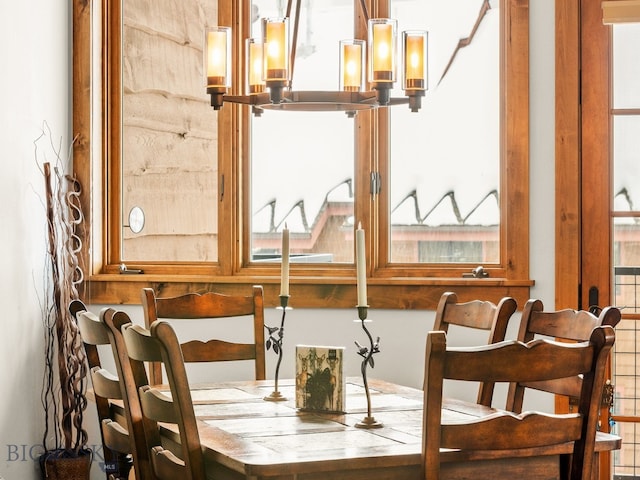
x=276 y=337
x=367 y=354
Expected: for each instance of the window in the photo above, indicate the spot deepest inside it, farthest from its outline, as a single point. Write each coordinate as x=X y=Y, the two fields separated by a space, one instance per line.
x=168 y=159
x=458 y=130
x=302 y=163
x=625 y=127
x=194 y=197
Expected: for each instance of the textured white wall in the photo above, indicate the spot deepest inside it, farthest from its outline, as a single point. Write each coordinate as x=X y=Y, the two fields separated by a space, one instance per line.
x=36 y=87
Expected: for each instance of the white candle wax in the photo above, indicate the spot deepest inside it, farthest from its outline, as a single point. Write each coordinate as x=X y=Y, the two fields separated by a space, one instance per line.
x=284 y=273
x=361 y=267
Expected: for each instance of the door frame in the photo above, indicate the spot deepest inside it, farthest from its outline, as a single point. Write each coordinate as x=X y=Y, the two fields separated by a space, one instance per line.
x=583 y=173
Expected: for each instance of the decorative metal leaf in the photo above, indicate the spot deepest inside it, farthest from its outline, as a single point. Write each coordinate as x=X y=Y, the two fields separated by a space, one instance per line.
x=371 y=362
x=268 y=345
x=276 y=347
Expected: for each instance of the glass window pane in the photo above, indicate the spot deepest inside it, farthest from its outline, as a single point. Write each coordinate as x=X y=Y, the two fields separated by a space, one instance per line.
x=302 y=163
x=445 y=159
x=626 y=65
x=626 y=155
x=169 y=134
x=626 y=238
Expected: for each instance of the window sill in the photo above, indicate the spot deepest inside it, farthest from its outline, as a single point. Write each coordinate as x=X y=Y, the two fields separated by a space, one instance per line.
x=328 y=292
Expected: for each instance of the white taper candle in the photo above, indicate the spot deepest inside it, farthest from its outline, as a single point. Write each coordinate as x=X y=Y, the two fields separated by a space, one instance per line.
x=284 y=274
x=361 y=265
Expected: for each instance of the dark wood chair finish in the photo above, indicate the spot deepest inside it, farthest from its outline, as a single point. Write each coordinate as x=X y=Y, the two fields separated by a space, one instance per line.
x=132 y=375
x=160 y=344
x=567 y=324
x=504 y=432
x=478 y=314
x=210 y=305
x=116 y=445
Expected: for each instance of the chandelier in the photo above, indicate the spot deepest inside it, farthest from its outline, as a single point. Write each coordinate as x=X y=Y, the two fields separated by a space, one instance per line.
x=269 y=64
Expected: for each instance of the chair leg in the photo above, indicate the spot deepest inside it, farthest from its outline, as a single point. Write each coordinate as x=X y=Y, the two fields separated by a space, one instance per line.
x=565 y=466
x=125 y=462
x=120 y=467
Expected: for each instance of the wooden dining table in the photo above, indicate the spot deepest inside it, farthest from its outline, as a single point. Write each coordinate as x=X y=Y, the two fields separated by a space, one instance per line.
x=245 y=437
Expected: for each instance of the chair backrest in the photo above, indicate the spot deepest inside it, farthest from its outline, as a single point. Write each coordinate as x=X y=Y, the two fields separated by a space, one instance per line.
x=210 y=305
x=117 y=447
x=132 y=375
x=478 y=314
x=504 y=431
x=567 y=324
x=160 y=344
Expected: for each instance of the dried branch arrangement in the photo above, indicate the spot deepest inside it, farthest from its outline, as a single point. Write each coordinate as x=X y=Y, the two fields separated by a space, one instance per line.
x=63 y=398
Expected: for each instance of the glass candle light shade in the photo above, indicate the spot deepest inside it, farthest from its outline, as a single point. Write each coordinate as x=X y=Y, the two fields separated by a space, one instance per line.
x=218 y=57
x=352 y=58
x=415 y=60
x=276 y=49
x=254 y=68
x=382 y=50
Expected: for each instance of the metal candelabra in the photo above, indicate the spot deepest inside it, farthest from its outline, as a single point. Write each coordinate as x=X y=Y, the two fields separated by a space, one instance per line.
x=275 y=342
x=367 y=360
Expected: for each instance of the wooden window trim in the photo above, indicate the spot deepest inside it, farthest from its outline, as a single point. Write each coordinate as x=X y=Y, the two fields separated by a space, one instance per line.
x=390 y=286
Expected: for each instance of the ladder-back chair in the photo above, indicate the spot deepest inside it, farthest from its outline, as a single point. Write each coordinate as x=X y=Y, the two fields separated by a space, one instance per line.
x=132 y=375
x=117 y=446
x=480 y=315
x=210 y=306
x=160 y=344
x=503 y=434
x=567 y=324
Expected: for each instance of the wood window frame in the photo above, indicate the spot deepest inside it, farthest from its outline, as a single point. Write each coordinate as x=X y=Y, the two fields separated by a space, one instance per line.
x=96 y=164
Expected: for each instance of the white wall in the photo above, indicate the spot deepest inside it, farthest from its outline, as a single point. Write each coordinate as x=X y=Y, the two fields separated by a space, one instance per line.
x=35 y=82
x=35 y=87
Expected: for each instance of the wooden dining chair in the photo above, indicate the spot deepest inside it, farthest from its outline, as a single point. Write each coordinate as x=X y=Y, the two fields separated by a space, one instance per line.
x=210 y=306
x=118 y=454
x=132 y=375
x=503 y=434
x=567 y=324
x=160 y=344
x=480 y=315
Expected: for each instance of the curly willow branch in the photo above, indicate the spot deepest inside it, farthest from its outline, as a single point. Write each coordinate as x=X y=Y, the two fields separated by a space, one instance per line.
x=63 y=340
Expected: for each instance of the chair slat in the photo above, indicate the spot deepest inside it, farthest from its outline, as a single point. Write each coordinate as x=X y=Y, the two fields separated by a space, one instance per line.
x=217 y=351
x=157 y=406
x=544 y=368
x=91 y=330
x=496 y=432
x=138 y=347
x=210 y=304
x=116 y=437
x=167 y=465
x=105 y=383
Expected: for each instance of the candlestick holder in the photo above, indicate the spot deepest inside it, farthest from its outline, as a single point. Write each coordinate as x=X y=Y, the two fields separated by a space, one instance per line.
x=367 y=360
x=276 y=336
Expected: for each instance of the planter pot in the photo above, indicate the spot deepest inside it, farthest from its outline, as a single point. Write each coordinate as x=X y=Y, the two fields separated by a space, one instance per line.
x=63 y=465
